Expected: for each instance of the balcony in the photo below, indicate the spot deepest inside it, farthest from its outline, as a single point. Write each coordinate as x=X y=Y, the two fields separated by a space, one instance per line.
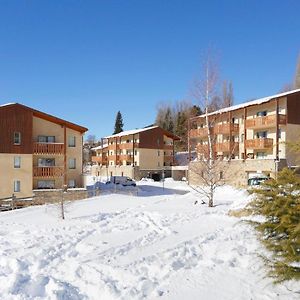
x=113 y=146
x=226 y=128
x=126 y=157
x=128 y=146
x=48 y=148
x=99 y=159
x=227 y=147
x=265 y=122
x=202 y=148
x=168 y=158
x=198 y=133
x=260 y=143
x=48 y=172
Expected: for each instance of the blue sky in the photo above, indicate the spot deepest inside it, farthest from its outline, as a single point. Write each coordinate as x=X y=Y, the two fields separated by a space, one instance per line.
x=85 y=60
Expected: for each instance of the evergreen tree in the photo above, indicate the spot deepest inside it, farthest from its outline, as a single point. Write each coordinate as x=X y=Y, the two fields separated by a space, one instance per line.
x=279 y=203
x=118 y=123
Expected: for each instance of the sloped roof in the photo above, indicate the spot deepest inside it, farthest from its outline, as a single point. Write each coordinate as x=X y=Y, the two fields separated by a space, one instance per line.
x=135 y=131
x=250 y=103
x=48 y=117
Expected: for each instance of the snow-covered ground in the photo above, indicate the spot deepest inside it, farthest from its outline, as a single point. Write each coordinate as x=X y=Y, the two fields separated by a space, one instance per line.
x=157 y=245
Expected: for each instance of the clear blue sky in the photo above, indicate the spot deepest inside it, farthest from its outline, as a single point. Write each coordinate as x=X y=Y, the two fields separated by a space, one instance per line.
x=85 y=60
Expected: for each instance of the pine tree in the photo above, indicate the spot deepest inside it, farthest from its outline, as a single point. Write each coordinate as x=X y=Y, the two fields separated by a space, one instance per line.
x=118 y=123
x=279 y=203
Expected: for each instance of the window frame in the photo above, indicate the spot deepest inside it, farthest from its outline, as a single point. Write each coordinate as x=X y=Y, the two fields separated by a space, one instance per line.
x=17 y=135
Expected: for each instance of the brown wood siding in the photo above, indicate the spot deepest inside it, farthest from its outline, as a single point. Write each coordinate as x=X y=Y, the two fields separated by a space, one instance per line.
x=14 y=118
x=152 y=139
x=293 y=108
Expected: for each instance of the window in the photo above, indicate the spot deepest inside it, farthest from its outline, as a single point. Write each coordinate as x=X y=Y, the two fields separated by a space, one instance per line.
x=72 y=163
x=242 y=138
x=17 y=186
x=261 y=113
x=17 y=162
x=158 y=153
x=261 y=155
x=158 y=164
x=46 y=162
x=221 y=175
x=135 y=163
x=17 y=138
x=71 y=183
x=72 y=141
x=261 y=134
x=279 y=133
x=46 y=139
x=46 y=184
x=135 y=152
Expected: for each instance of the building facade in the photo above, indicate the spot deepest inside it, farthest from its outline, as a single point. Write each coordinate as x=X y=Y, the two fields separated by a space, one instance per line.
x=251 y=137
x=135 y=153
x=37 y=151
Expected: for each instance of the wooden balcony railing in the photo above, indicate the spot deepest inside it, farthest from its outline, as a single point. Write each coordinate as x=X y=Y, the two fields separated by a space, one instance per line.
x=260 y=143
x=48 y=171
x=226 y=128
x=198 y=133
x=48 y=148
x=227 y=147
x=168 y=158
x=99 y=159
x=202 y=148
x=126 y=157
x=266 y=121
x=128 y=145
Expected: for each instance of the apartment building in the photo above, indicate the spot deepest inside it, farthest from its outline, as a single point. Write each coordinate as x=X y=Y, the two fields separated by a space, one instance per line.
x=250 y=137
x=135 y=153
x=37 y=151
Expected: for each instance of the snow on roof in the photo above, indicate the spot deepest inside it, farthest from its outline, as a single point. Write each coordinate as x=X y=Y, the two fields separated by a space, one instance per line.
x=130 y=132
x=100 y=147
x=7 y=104
x=249 y=103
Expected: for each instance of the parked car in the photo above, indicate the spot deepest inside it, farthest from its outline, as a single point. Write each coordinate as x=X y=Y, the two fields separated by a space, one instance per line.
x=257 y=179
x=125 y=181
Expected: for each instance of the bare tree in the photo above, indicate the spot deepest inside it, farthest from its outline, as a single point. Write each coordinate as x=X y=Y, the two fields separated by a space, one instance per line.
x=297 y=75
x=286 y=88
x=208 y=169
x=227 y=91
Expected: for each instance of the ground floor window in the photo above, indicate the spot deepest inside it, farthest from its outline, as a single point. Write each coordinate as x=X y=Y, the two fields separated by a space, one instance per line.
x=46 y=184
x=72 y=183
x=260 y=155
x=17 y=186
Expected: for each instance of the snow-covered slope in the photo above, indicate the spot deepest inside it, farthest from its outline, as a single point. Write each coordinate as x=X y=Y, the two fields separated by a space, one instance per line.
x=158 y=245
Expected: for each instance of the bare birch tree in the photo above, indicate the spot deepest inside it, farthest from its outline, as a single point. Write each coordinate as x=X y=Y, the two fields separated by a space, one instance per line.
x=208 y=167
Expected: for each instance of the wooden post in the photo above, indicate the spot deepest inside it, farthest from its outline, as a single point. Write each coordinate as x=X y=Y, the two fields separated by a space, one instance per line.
x=245 y=133
x=116 y=158
x=277 y=129
x=189 y=143
x=65 y=155
x=230 y=134
x=133 y=149
x=13 y=199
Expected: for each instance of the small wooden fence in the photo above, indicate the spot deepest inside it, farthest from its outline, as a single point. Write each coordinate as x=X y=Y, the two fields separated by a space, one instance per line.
x=12 y=202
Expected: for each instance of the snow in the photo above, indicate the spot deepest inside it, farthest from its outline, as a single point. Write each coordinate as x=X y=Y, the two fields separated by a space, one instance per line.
x=253 y=102
x=130 y=132
x=157 y=245
x=7 y=104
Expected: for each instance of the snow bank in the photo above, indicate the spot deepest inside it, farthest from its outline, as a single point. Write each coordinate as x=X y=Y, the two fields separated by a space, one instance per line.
x=157 y=245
